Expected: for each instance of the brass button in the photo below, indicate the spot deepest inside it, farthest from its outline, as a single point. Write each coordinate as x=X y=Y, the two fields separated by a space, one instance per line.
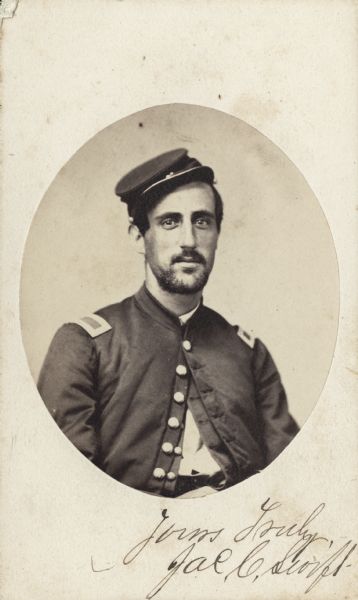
x=167 y=447
x=173 y=422
x=187 y=345
x=177 y=450
x=181 y=370
x=159 y=473
x=179 y=397
x=171 y=476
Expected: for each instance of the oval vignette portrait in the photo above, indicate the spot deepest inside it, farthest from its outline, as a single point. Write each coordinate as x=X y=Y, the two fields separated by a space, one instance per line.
x=179 y=301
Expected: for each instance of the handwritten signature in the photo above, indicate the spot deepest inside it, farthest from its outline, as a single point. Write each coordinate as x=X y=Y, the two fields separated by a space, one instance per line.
x=249 y=553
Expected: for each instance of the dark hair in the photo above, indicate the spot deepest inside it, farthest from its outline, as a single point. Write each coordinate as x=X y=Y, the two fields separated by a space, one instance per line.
x=139 y=212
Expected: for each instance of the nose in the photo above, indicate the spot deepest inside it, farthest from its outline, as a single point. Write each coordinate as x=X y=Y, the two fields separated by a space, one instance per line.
x=187 y=236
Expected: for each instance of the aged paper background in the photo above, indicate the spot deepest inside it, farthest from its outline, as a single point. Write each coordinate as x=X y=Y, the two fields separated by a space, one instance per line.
x=287 y=68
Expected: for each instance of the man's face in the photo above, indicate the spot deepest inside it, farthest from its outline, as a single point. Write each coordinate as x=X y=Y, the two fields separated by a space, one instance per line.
x=181 y=241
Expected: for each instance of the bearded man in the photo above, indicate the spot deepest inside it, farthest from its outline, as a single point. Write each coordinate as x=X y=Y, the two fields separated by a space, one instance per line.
x=158 y=390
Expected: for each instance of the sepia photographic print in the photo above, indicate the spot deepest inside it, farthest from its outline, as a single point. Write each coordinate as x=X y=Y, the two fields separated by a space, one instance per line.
x=156 y=388
x=178 y=300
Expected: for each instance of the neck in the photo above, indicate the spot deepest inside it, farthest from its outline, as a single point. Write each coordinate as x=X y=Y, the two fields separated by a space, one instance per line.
x=179 y=304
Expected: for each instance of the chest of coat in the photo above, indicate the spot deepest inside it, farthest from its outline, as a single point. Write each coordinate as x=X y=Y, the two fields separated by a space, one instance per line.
x=140 y=366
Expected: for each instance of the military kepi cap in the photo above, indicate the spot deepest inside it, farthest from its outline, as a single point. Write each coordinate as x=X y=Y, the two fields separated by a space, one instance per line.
x=160 y=175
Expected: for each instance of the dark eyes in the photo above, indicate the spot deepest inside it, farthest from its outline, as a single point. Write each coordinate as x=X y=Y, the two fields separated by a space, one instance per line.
x=202 y=222
x=171 y=222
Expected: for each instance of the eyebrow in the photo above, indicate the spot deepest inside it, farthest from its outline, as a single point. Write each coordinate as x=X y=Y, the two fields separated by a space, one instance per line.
x=178 y=215
x=203 y=213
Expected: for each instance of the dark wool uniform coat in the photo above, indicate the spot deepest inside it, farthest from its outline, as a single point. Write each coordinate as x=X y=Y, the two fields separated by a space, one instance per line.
x=121 y=396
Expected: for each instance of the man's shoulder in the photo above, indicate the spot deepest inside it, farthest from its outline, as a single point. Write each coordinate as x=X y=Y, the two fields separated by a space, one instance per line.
x=112 y=312
x=105 y=319
x=219 y=320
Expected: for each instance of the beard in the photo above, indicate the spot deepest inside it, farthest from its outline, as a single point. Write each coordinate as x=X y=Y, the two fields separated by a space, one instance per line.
x=171 y=282
x=189 y=281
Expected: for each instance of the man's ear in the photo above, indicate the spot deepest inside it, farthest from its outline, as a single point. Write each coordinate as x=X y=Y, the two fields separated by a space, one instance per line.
x=136 y=238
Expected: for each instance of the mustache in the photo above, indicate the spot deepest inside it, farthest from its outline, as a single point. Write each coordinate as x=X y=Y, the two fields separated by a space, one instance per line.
x=189 y=256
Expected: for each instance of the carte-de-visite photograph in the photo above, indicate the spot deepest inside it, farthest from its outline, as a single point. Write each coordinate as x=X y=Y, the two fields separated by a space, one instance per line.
x=179 y=301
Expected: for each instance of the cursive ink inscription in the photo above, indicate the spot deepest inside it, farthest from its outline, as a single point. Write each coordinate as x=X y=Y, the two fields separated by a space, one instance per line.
x=265 y=547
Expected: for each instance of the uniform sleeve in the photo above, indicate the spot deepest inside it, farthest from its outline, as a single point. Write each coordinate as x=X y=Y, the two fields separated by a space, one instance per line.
x=277 y=426
x=67 y=386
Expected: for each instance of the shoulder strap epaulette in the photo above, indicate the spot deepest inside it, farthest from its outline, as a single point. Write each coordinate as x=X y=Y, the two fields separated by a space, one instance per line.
x=246 y=337
x=94 y=325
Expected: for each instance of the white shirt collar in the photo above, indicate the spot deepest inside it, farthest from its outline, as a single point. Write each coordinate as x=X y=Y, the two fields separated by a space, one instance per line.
x=184 y=318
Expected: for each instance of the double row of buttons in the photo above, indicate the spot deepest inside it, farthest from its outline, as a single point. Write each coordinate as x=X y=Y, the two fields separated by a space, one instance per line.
x=159 y=473
x=174 y=423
